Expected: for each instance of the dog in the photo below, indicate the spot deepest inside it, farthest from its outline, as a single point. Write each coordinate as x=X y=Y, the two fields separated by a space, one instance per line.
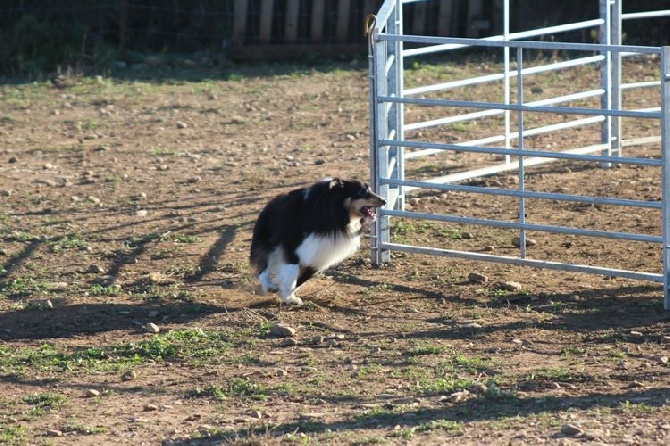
x=307 y=230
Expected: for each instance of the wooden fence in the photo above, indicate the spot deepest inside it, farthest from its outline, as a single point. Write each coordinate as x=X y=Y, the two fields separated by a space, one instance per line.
x=290 y=28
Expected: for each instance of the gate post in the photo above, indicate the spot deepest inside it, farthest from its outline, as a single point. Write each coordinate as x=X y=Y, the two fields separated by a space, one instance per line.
x=665 y=180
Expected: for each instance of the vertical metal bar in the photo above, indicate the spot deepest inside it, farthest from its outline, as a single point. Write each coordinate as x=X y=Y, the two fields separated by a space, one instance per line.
x=374 y=140
x=615 y=17
x=665 y=181
x=506 y=80
x=522 y=186
x=606 y=78
x=400 y=110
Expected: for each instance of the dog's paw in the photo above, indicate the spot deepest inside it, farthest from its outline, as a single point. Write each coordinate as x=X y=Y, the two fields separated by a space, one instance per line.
x=292 y=300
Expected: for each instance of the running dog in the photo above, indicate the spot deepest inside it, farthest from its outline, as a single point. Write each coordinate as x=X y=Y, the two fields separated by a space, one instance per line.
x=307 y=230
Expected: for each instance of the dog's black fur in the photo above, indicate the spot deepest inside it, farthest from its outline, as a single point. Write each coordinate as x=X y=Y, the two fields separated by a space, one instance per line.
x=307 y=230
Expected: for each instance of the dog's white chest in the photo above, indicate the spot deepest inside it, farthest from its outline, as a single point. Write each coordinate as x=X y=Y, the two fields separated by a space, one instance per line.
x=320 y=252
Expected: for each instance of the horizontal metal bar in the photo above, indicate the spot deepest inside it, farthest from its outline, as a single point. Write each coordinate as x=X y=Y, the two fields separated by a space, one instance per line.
x=524 y=226
x=524 y=44
x=507 y=260
x=511 y=36
x=497 y=111
x=578 y=154
x=642 y=15
x=498 y=76
x=632 y=85
x=516 y=107
x=523 y=193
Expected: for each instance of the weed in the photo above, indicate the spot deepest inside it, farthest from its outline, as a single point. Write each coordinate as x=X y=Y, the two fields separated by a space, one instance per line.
x=69 y=241
x=448 y=426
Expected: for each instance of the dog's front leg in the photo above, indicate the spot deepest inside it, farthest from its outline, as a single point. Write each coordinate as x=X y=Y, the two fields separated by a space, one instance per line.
x=287 y=277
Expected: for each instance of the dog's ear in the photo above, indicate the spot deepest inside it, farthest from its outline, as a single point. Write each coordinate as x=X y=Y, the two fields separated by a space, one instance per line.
x=335 y=182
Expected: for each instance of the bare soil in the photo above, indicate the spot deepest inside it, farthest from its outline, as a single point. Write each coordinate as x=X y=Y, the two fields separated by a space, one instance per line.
x=127 y=202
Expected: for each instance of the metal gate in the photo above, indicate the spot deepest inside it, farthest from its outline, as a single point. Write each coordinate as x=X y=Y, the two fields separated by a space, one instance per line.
x=391 y=149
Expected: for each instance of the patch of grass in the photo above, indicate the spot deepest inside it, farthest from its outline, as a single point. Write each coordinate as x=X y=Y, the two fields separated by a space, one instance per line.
x=193 y=346
x=71 y=240
x=13 y=435
x=162 y=151
x=449 y=427
x=184 y=238
x=628 y=407
x=43 y=402
x=426 y=349
x=234 y=388
x=83 y=429
x=98 y=290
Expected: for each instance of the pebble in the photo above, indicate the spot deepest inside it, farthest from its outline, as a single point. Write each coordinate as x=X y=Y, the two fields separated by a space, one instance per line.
x=181 y=125
x=282 y=331
x=509 y=285
x=474 y=277
x=467 y=235
x=129 y=375
x=96 y=269
x=150 y=407
x=54 y=433
x=5 y=192
x=516 y=241
x=12 y=160
x=141 y=212
x=489 y=248
x=571 y=430
x=92 y=392
x=413 y=201
x=663 y=359
x=152 y=328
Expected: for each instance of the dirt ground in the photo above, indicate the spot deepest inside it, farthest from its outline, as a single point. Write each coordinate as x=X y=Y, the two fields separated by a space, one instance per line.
x=128 y=312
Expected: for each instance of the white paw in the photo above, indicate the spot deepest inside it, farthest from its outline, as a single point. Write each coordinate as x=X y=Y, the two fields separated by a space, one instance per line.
x=292 y=300
x=266 y=283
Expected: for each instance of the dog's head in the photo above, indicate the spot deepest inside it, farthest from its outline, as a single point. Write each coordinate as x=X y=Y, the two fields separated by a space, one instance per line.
x=360 y=201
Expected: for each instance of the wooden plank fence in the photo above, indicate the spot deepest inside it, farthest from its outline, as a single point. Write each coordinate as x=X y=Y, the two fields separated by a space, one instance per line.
x=293 y=28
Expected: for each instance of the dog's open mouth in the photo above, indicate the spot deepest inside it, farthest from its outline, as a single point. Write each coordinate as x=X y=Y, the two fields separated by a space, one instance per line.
x=369 y=212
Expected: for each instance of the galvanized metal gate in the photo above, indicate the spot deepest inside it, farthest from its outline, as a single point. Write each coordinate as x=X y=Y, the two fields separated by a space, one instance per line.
x=390 y=149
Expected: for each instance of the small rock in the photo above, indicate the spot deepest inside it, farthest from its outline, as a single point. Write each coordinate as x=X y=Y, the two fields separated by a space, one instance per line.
x=509 y=286
x=413 y=201
x=150 y=407
x=467 y=235
x=129 y=375
x=54 y=433
x=663 y=359
x=255 y=414
x=635 y=385
x=290 y=342
x=92 y=392
x=472 y=325
x=12 y=160
x=516 y=241
x=181 y=125
x=152 y=328
x=96 y=269
x=474 y=277
x=319 y=161
x=141 y=212
x=281 y=373
x=459 y=396
x=5 y=192
x=571 y=430
x=282 y=331
x=194 y=417
x=489 y=248
x=635 y=334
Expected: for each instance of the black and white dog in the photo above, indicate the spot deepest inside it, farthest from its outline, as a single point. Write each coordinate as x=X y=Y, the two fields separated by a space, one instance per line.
x=307 y=230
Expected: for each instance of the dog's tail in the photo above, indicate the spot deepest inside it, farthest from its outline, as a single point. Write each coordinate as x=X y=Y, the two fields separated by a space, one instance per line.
x=258 y=256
